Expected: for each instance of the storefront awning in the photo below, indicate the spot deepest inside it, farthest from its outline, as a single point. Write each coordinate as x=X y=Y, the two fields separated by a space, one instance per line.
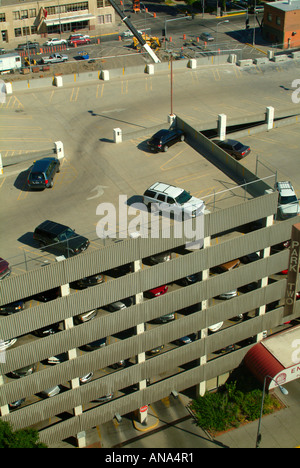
x=68 y=19
x=277 y=356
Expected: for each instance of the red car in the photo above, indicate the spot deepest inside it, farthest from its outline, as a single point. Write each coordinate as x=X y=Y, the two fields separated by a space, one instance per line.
x=155 y=292
x=4 y=268
x=79 y=40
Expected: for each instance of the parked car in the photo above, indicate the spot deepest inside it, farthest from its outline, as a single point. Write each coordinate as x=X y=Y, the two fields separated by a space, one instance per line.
x=61 y=237
x=16 y=404
x=51 y=392
x=97 y=344
x=288 y=205
x=214 y=328
x=190 y=279
x=12 y=308
x=234 y=148
x=23 y=372
x=89 y=281
x=55 y=41
x=129 y=33
x=55 y=58
x=86 y=378
x=118 y=305
x=155 y=350
x=85 y=317
x=158 y=258
x=7 y=343
x=163 y=139
x=47 y=331
x=46 y=296
x=42 y=173
x=5 y=269
x=85 y=36
x=228 y=294
x=165 y=318
x=207 y=37
x=168 y=198
x=28 y=45
x=155 y=292
x=79 y=40
x=249 y=258
x=104 y=398
x=183 y=341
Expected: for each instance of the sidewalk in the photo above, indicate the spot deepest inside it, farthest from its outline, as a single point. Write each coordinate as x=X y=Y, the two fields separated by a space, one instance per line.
x=278 y=430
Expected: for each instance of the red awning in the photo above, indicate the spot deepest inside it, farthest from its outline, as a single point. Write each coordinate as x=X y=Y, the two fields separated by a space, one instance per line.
x=262 y=363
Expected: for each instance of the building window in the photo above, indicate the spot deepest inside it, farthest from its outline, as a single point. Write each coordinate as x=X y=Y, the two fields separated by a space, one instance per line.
x=18 y=32
x=100 y=19
x=16 y=15
x=33 y=29
x=55 y=10
x=24 y=14
x=32 y=13
x=26 y=31
x=278 y=20
x=100 y=3
x=269 y=17
x=108 y=19
x=2 y=17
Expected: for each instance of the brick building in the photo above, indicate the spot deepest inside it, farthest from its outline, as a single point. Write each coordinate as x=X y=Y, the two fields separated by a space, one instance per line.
x=281 y=23
x=33 y=19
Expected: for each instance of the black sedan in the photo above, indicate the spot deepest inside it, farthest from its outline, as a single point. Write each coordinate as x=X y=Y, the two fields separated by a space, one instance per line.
x=235 y=148
x=28 y=45
x=163 y=139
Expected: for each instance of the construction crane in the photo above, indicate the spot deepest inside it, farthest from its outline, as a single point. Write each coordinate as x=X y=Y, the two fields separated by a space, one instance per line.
x=135 y=32
x=152 y=41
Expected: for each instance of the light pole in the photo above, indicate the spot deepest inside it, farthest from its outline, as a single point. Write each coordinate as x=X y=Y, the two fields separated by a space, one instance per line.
x=27 y=45
x=225 y=21
x=283 y=391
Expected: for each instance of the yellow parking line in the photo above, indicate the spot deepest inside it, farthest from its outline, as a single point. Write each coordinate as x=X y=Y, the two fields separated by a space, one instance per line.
x=162 y=168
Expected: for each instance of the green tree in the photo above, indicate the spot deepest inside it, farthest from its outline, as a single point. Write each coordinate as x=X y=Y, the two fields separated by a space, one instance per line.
x=24 y=438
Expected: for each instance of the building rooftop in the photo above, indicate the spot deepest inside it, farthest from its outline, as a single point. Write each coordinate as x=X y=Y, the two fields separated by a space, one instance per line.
x=286 y=5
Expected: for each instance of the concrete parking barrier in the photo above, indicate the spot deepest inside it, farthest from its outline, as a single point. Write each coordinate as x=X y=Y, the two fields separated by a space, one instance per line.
x=8 y=88
x=192 y=63
x=261 y=60
x=245 y=63
x=280 y=58
x=104 y=75
x=58 y=81
x=296 y=55
x=150 y=69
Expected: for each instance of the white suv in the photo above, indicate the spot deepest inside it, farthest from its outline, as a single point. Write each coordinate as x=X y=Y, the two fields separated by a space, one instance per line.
x=170 y=198
x=288 y=205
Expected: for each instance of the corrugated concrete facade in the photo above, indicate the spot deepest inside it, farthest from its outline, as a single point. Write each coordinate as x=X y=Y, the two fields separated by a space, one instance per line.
x=130 y=250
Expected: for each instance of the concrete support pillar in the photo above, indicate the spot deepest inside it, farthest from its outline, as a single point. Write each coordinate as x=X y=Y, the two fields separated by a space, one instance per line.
x=222 y=118
x=8 y=88
x=264 y=281
x=1 y=165
x=72 y=354
x=201 y=387
x=270 y=117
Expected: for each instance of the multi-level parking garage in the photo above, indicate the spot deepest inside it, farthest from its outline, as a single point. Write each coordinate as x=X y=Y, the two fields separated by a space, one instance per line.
x=137 y=360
